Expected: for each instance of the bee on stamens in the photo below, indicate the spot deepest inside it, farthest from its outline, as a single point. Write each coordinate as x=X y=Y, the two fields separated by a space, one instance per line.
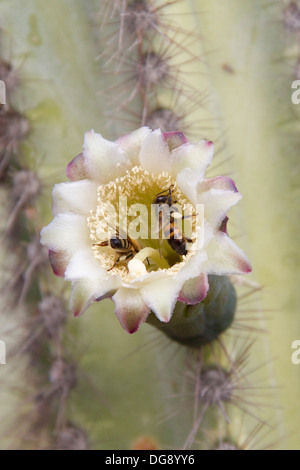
x=124 y=246
x=165 y=197
x=167 y=222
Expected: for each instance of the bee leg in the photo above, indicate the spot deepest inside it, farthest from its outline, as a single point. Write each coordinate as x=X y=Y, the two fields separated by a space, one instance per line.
x=115 y=263
x=106 y=243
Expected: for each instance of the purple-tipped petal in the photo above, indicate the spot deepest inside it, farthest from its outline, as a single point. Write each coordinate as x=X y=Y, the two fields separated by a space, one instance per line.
x=131 y=143
x=81 y=297
x=223 y=226
x=59 y=262
x=130 y=309
x=220 y=182
x=174 y=139
x=86 y=291
x=225 y=257
x=194 y=290
x=75 y=170
x=216 y=204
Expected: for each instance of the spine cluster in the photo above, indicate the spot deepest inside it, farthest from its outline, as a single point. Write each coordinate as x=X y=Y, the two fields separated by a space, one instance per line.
x=147 y=58
x=38 y=311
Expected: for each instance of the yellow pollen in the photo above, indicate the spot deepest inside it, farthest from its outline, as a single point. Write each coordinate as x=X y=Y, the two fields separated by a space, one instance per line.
x=137 y=186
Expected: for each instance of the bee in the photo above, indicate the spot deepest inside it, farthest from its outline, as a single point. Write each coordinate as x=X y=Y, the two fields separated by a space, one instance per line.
x=177 y=240
x=124 y=246
x=167 y=222
x=165 y=197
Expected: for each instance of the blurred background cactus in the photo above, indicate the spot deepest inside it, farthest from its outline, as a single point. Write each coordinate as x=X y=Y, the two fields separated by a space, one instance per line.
x=216 y=70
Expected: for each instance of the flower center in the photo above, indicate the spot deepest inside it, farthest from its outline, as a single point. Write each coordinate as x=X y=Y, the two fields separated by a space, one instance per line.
x=141 y=214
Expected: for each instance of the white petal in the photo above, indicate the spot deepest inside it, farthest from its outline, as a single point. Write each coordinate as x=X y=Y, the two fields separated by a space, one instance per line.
x=161 y=297
x=204 y=234
x=89 y=283
x=155 y=153
x=193 y=266
x=131 y=143
x=197 y=156
x=187 y=181
x=78 y=197
x=85 y=292
x=81 y=297
x=84 y=265
x=103 y=160
x=189 y=163
x=130 y=309
x=66 y=232
x=225 y=257
x=216 y=204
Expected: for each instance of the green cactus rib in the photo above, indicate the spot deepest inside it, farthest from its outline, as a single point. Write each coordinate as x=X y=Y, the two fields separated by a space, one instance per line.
x=254 y=105
x=242 y=46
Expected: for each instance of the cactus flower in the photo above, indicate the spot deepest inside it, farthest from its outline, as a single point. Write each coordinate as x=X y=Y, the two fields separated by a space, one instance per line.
x=141 y=274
